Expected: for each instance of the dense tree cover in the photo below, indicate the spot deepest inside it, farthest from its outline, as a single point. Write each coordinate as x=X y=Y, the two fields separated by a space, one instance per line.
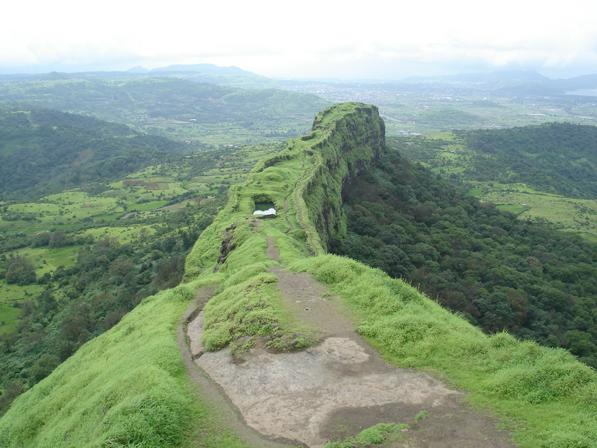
x=19 y=270
x=499 y=272
x=83 y=301
x=43 y=151
x=556 y=157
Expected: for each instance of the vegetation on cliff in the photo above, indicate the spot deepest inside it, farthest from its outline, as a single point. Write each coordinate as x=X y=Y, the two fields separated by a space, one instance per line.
x=501 y=273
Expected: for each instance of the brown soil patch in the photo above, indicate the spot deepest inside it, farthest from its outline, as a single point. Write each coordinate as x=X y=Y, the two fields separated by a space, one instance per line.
x=272 y=249
x=451 y=424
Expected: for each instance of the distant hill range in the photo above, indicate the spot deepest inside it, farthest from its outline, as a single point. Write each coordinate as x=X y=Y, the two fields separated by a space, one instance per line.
x=231 y=76
x=510 y=83
x=517 y=83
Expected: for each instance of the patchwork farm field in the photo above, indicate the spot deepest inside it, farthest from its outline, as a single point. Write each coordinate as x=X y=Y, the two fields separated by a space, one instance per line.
x=569 y=214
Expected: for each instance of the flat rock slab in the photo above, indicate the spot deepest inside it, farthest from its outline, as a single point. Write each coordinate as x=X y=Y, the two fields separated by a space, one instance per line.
x=339 y=387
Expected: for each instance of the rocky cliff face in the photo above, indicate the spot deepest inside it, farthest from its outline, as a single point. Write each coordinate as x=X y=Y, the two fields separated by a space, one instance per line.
x=353 y=135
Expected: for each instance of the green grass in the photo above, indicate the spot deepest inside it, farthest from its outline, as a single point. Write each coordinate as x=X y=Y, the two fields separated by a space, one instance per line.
x=64 y=208
x=375 y=435
x=9 y=315
x=569 y=214
x=515 y=209
x=10 y=296
x=248 y=309
x=47 y=260
x=125 y=388
x=545 y=395
x=124 y=234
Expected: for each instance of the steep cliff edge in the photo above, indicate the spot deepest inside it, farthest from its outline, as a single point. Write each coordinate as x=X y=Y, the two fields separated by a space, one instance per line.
x=348 y=145
x=304 y=181
x=129 y=387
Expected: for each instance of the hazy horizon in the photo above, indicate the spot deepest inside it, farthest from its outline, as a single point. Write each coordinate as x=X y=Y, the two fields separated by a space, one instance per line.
x=436 y=73
x=337 y=40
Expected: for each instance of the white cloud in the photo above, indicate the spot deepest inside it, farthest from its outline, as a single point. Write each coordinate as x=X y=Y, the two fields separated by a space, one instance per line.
x=302 y=38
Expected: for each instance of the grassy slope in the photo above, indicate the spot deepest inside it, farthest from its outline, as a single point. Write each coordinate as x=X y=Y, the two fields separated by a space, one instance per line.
x=569 y=214
x=545 y=395
x=127 y=387
x=130 y=383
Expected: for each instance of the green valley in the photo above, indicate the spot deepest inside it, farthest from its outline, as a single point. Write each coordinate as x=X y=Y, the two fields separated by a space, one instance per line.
x=194 y=113
x=298 y=224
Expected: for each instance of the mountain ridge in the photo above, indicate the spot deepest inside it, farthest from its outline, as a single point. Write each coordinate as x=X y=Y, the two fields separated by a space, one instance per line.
x=544 y=393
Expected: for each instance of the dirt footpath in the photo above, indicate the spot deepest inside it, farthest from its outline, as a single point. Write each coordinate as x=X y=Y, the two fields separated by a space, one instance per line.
x=340 y=386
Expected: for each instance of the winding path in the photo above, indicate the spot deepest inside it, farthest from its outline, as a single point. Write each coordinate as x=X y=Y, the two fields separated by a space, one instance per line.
x=332 y=390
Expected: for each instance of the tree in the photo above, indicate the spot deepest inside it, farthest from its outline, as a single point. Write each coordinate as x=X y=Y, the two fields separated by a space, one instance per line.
x=44 y=366
x=12 y=391
x=19 y=271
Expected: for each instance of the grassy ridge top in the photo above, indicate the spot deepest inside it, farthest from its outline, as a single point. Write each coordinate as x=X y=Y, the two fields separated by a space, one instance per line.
x=547 y=393
x=298 y=180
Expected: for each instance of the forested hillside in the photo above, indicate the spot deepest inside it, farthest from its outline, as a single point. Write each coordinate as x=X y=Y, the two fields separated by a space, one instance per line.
x=539 y=173
x=499 y=272
x=45 y=151
x=555 y=158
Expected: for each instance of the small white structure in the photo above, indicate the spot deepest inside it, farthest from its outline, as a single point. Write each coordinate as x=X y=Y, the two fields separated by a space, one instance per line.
x=269 y=213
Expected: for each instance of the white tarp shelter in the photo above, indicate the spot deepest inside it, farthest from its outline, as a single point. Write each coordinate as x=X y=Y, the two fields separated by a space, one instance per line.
x=269 y=213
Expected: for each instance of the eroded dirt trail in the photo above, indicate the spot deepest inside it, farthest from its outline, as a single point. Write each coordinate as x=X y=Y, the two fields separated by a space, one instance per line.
x=340 y=386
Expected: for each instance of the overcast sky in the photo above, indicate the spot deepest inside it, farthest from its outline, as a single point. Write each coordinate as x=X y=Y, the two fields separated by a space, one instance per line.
x=304 y=38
